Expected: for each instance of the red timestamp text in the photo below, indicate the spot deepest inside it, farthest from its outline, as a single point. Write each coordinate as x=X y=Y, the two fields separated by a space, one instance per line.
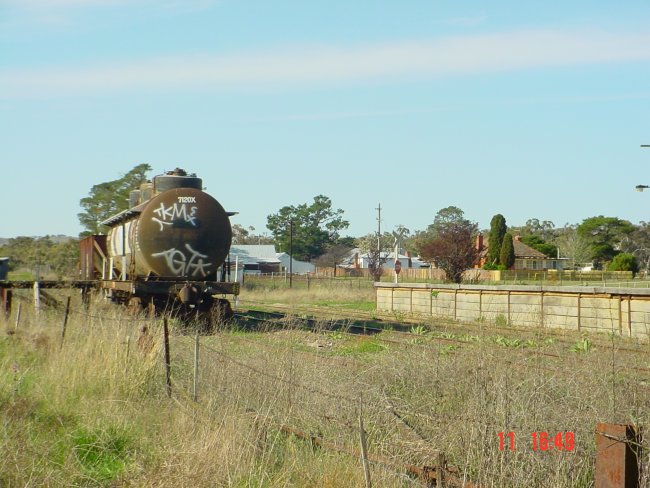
x=540 y=441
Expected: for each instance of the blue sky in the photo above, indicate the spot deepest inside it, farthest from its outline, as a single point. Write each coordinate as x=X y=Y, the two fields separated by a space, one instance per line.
x=528 y=109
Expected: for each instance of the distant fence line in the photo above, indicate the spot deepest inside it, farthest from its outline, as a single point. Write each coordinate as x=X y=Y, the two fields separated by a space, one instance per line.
x=410 y=273
x=304 y=281
x=325 y=276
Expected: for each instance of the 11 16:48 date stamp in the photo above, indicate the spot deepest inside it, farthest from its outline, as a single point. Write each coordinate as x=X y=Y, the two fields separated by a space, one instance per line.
x=540 y=441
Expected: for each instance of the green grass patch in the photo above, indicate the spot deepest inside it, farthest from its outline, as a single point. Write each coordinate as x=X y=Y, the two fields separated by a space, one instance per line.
x=101 y=454
x=20 y=276
x=513 y=342
x=365 y=305
x=361 y=347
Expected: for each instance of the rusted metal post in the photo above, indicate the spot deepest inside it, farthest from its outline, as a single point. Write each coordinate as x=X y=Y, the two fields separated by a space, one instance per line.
x=6 y=301
x=617 y=452
x=168 y=364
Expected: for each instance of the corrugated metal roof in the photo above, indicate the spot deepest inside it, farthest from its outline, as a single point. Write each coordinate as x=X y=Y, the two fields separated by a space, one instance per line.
x=254 y=253
x=124 y=215
x=296 y=266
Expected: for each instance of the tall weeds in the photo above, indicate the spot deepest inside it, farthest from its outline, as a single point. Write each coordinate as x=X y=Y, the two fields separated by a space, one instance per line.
x=94 y=412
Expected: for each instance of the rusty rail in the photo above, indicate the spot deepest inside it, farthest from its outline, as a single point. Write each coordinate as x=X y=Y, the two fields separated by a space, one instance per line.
x=427 y=474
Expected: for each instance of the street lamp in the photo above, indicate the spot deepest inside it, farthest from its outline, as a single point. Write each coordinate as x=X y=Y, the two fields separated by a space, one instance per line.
x=642 y=187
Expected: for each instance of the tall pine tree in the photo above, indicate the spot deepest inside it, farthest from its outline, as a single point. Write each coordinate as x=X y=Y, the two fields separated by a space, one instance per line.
x=498 y=229
x=507 y=253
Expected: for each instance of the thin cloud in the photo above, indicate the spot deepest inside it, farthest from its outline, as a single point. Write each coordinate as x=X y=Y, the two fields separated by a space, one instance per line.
x=310 y=65
x=62 y=5
x=465 y=21
x=58 y=4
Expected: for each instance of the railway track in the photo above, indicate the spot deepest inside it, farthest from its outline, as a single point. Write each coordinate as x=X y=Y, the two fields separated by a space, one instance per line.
x=401 y=334
x=371 y=323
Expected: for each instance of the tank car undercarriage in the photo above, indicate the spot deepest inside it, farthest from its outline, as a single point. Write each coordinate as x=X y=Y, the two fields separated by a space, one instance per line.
x=199 y=304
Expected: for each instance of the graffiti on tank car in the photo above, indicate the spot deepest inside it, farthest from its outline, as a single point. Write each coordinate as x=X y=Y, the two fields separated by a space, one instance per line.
x=182 y=264
x=178 y=211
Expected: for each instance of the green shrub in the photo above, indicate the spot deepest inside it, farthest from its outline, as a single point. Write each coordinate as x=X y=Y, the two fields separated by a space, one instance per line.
x=624 y=262
x=582 y=346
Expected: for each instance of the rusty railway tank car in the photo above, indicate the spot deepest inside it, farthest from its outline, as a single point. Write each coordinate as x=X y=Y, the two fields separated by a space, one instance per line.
x=168 y=250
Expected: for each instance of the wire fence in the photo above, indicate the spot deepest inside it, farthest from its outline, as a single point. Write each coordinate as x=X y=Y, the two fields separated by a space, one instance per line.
x=319 y=400
x=363 y=279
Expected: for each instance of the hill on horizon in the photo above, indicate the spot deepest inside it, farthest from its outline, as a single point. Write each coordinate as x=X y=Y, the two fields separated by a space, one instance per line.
x=55 y=238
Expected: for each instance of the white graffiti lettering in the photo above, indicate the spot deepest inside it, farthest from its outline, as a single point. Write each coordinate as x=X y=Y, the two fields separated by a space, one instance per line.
x=181 y=264
x=178 y=211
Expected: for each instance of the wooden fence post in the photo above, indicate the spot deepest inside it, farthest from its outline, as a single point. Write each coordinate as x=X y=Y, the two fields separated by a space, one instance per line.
x=128 y=352
x=440 y=470
x=5 y=296
x=364 y=452
x=618 y=448
x=65 y=322
x=168 y=365
x=37 y=298
x=18 y=316
x=195 y=385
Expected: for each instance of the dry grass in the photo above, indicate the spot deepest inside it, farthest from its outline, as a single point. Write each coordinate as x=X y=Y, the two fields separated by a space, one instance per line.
x=95 y=412
x=343 y=294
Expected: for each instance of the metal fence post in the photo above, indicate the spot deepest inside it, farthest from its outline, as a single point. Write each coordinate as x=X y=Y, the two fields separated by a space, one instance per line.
x=168 y=363
x=617 y=452
x=195 y=385
x=65 y=322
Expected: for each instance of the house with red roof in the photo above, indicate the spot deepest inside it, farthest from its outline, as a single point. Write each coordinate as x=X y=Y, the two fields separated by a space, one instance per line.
x=526 y=257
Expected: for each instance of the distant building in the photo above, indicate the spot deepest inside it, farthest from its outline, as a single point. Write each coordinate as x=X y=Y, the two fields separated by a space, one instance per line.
x=260 y=258
x=526 y=258
x=358 y=260
x=299 y=267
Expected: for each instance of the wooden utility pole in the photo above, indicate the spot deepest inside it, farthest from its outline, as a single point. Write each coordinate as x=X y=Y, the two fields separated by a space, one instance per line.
x=378 y=209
